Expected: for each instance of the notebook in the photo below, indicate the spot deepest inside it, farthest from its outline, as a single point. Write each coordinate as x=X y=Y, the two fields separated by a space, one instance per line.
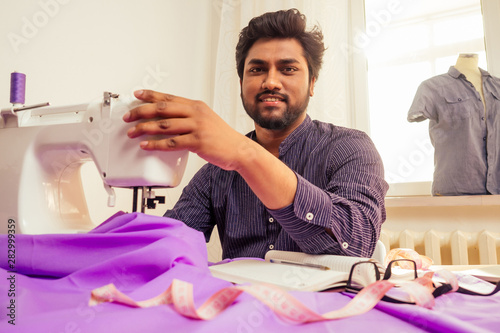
x=298 y=271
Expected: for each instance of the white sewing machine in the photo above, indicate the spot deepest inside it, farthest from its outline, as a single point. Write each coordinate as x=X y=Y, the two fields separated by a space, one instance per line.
x=42 y=150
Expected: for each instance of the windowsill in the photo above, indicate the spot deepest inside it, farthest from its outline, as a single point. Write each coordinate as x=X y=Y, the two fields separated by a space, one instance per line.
x=448 y=201
x=409 y=189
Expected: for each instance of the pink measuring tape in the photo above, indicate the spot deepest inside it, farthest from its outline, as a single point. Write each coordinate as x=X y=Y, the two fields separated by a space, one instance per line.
x=283 y=304
x=180 y=294
x=421 y=261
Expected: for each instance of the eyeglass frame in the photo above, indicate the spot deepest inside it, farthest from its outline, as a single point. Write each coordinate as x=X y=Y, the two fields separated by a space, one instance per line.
x=441 y=290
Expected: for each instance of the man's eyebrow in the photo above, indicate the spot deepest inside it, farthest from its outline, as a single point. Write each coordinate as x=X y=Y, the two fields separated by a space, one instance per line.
x=286 y=61
x=255 y=61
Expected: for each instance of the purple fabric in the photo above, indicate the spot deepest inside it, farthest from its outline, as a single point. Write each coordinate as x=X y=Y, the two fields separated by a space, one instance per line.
x=142 y=254
x=453 y=312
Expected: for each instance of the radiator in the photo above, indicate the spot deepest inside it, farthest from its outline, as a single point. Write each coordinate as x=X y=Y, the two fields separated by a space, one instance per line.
x=455 y=247
x=444 y=248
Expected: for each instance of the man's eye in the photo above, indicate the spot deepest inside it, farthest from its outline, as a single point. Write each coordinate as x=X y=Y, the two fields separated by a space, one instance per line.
x=255 y=70
x=289 y=69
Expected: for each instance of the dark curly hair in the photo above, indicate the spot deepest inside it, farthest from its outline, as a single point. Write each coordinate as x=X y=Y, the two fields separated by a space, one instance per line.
x=282 y=24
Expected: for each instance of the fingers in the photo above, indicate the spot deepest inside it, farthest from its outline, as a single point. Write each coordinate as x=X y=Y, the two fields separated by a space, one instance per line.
x=152 y=96
x=181 y=142
x=173 y=123
x=174 y=126
x=160 y=105
x=161 y=109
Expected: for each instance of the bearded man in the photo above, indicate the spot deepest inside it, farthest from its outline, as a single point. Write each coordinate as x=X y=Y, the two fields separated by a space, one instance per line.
x=292 y=184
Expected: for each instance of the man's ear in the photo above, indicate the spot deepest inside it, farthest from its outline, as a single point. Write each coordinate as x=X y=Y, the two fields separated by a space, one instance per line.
x=311 y=87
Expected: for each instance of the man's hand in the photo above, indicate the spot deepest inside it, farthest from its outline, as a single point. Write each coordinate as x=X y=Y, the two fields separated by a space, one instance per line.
x=185 y=124
x=192 y=125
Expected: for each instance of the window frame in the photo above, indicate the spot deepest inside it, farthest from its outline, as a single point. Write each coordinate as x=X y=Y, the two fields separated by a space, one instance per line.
x=359 y=70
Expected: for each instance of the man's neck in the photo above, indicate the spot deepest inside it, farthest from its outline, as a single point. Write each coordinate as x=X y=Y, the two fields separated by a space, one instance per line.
x=272 y=139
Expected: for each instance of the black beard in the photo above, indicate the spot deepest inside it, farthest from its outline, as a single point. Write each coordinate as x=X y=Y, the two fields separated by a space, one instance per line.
x=290 y=115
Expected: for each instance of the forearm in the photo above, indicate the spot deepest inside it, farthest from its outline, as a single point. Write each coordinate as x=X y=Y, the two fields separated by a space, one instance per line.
x=273 y=182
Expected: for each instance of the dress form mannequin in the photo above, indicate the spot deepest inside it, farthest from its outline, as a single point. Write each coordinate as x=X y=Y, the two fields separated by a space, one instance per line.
x=467 y=65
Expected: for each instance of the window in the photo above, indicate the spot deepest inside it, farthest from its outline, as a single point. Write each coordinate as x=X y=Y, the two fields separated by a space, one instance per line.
x=405 y=43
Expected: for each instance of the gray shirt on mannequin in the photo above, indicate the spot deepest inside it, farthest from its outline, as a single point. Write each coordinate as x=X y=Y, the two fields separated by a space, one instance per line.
x=466 y=139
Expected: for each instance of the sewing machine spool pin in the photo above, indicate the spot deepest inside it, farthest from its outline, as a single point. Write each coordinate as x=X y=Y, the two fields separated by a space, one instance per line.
x=28 y=107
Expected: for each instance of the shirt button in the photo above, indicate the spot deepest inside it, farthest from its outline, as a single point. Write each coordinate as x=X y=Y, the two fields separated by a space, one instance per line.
x=484 y=139
x=345 y=245
x=271 y=220
x=459 y=99
x=482 y=118
x=271 y=247
x=309 y=216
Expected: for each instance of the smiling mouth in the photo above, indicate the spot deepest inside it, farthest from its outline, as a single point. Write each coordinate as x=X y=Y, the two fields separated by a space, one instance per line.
x=271 y=99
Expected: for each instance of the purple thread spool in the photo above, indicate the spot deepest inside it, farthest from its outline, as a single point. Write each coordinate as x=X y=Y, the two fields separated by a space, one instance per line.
x=17 y=88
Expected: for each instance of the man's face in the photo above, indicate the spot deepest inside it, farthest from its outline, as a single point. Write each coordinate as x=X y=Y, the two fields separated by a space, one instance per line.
x=275 y=88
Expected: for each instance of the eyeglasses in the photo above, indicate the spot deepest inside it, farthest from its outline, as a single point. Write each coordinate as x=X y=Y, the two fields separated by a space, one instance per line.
x=362 y=274
x=408 y=272
x=398 y=271
x=366 y=272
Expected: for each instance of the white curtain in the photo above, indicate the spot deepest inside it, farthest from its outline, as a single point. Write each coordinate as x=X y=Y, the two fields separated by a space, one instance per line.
x=185 y=48
x=331 y=101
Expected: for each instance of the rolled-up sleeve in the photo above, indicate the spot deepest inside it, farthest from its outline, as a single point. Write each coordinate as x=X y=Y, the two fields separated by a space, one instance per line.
x=351 y=205
x=421 y=107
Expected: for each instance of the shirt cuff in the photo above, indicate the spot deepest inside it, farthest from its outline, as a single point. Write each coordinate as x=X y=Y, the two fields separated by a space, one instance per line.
x=306 y=219
x=312 y=204
x=309 y=237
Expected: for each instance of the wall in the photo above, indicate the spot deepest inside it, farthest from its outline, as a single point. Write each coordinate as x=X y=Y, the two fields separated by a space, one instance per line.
x=73 y=50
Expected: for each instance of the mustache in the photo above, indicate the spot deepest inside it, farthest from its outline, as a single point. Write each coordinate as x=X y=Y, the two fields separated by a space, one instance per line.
x=273 y=93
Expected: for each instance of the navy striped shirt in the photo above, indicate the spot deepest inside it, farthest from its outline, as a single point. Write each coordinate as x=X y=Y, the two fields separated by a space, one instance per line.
x=340 y=186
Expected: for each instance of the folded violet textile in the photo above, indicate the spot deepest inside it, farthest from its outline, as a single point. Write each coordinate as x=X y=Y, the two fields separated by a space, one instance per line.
x=49 y=288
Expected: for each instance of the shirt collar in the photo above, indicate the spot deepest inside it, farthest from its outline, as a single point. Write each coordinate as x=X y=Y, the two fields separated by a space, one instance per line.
x=291 y=138
x=455 y=73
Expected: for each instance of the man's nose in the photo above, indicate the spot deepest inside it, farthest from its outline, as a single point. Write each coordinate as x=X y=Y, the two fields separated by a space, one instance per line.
x=272 y=80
